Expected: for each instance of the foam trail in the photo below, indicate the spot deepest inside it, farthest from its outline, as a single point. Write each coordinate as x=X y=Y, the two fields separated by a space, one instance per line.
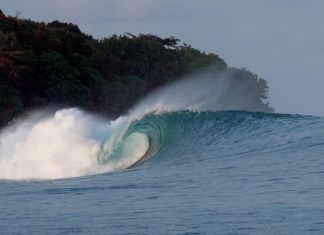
x=72 y=143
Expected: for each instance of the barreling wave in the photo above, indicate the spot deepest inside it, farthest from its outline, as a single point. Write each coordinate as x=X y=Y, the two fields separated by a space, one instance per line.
x=72 y=143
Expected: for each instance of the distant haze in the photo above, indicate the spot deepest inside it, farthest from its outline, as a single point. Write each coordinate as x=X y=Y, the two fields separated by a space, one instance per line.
x=280 y=40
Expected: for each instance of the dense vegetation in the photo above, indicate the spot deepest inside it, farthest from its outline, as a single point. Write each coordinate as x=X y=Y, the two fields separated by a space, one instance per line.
x=55 y=63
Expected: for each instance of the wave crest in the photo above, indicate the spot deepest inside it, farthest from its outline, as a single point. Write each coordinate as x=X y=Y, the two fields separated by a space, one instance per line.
x=72 y=143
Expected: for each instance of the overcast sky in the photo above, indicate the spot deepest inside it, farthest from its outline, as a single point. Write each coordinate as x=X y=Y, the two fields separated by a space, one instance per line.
x=280 y=40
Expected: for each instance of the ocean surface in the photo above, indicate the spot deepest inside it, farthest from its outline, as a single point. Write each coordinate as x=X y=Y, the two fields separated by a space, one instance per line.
x=207 y=172
x=181 y=161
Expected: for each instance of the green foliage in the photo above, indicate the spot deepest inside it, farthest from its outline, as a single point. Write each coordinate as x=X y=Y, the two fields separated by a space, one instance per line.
x=192 y=60
x=56 y=63
x=58 y=81
x=10 y=103
x=8 y=40
x=10 y=98
x=250 y=80
x=9 y=24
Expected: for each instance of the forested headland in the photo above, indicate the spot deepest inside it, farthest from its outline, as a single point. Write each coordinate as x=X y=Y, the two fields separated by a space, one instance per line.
x=56 y=64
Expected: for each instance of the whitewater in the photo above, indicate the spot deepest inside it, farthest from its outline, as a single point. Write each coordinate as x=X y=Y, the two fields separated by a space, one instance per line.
x=187 y=159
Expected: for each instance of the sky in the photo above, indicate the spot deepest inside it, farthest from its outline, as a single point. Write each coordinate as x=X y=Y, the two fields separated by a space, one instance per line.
x=282 y=41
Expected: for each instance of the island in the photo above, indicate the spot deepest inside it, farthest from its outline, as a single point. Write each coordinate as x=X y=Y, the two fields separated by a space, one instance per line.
x=54 y=63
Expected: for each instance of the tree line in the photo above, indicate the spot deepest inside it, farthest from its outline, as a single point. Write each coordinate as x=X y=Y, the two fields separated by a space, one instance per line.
x=55 y=63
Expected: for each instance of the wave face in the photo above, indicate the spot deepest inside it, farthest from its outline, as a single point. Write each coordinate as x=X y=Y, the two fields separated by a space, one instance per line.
x=72 y=143
x=181 y=166
x=236 y=172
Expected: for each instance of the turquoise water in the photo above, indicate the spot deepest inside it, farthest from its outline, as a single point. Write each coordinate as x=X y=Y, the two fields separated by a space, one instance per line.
x=227 y=172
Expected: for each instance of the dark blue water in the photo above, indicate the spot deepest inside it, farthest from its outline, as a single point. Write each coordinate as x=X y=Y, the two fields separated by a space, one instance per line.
x=207 y=173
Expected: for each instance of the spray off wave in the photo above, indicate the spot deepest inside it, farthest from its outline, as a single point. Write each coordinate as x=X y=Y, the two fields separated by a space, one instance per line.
x=72 y=143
